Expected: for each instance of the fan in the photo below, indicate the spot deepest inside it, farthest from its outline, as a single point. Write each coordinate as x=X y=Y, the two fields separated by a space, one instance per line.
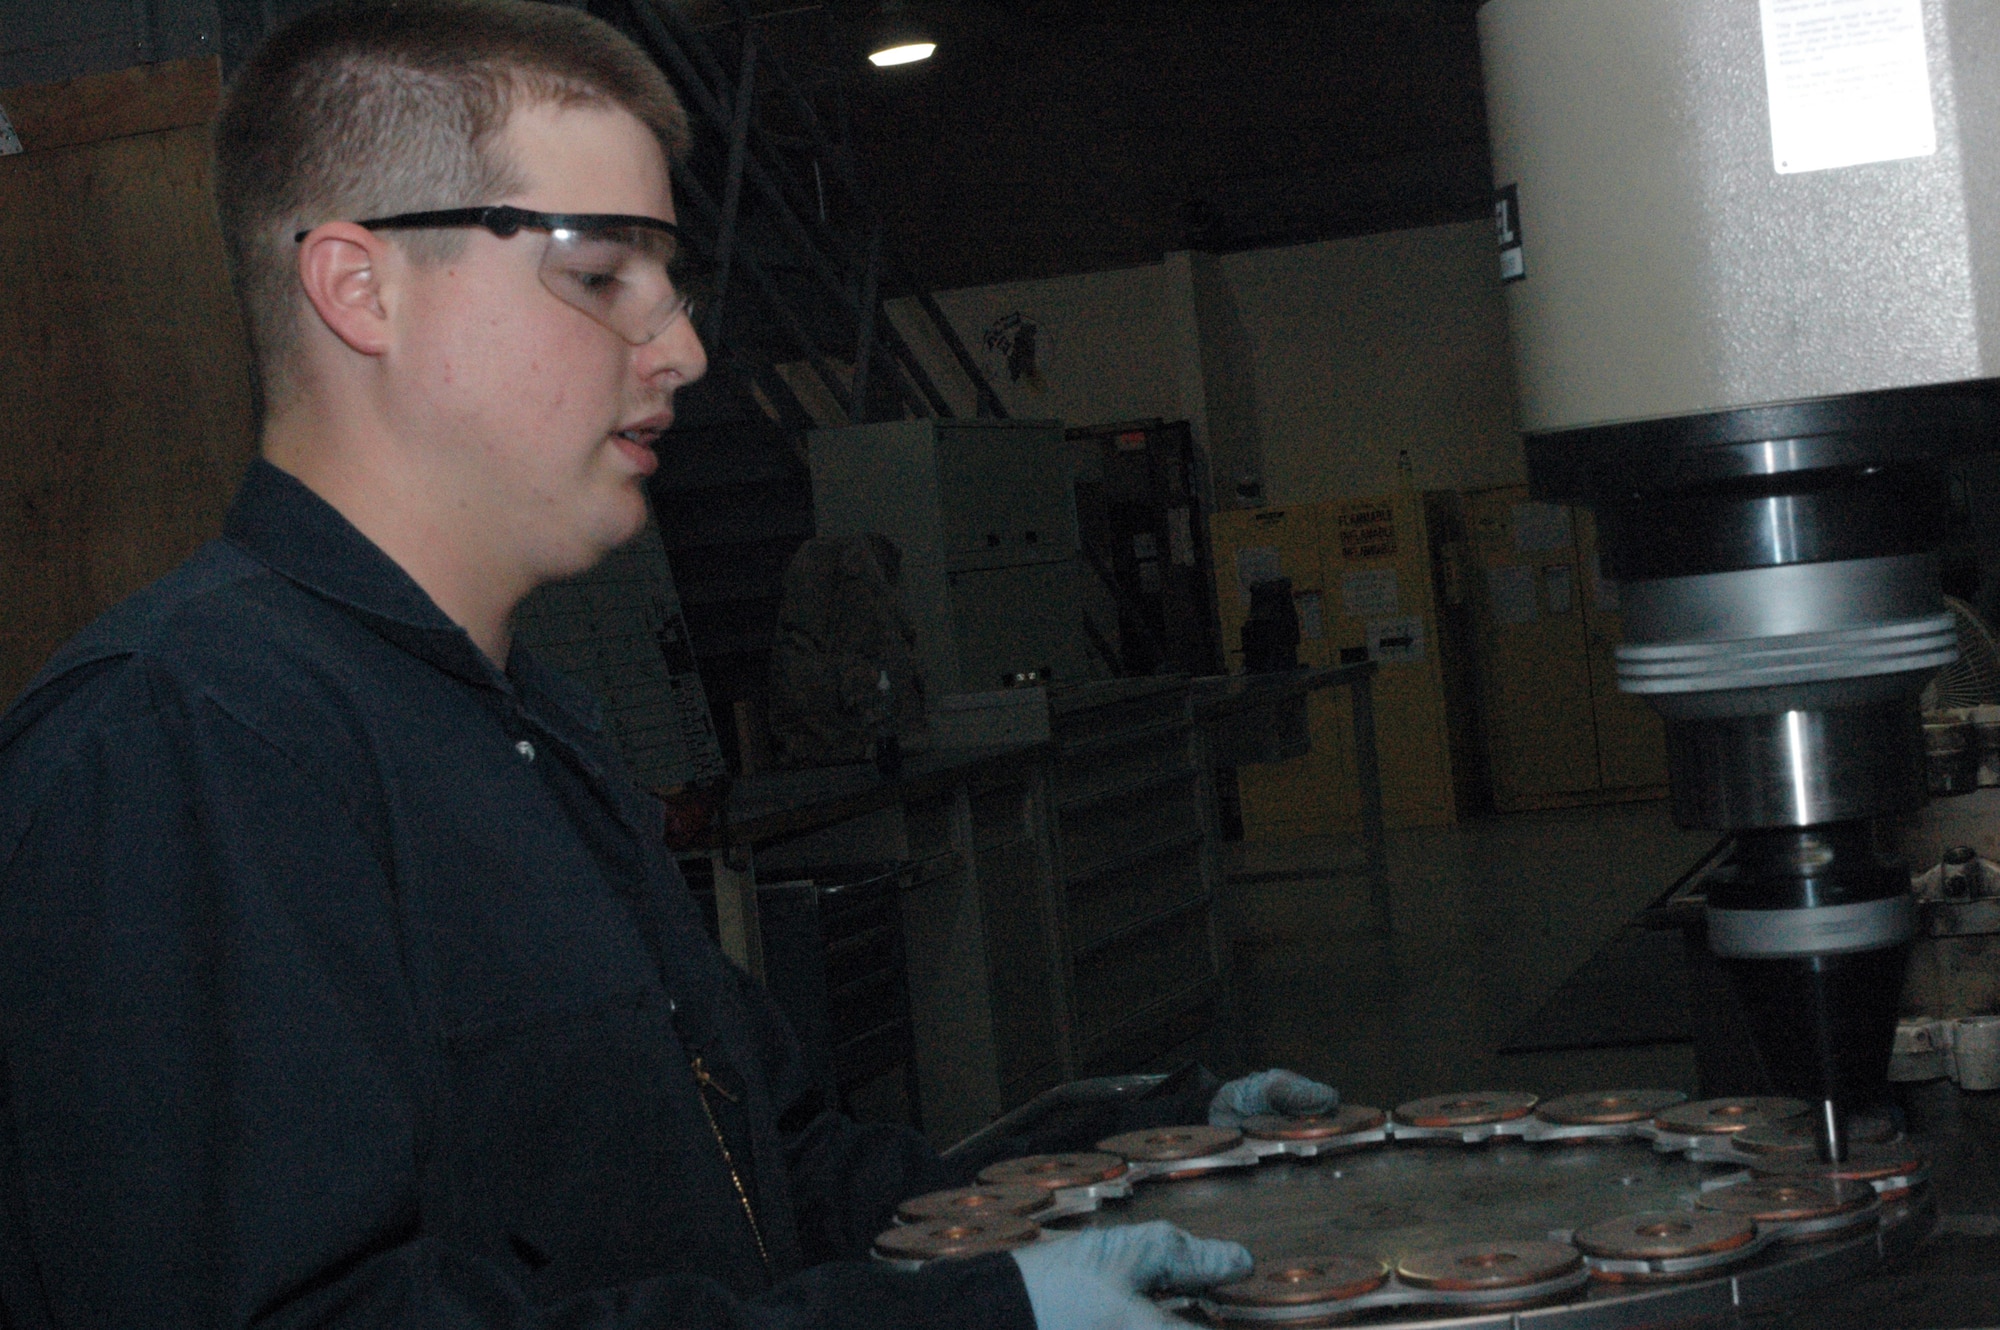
x=1973 y=680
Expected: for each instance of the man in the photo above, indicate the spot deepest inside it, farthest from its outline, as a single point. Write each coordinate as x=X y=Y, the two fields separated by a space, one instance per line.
x=343 y=977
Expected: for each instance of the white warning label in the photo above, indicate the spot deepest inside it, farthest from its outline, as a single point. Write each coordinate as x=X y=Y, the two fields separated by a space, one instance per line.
x=1848 y=83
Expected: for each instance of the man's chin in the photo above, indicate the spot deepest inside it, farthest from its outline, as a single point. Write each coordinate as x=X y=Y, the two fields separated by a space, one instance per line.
x=586 y=553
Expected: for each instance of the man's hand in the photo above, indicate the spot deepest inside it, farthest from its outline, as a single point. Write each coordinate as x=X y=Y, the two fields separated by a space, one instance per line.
x=1097 y=1279
x=1282 y=1092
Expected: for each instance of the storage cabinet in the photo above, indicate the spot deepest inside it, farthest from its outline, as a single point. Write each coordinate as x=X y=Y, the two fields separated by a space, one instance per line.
x=1057 y=905
x=1558 y=731
x=1144 y=958
x=983 y=949
x=985 y=516
x=1373 y=579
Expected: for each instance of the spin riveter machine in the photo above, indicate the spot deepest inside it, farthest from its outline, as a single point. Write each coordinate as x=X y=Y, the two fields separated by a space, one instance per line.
x=1752 y=263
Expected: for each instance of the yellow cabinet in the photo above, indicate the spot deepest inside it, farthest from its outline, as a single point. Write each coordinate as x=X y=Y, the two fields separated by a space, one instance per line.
x=1557 y=729
x=1369 y=577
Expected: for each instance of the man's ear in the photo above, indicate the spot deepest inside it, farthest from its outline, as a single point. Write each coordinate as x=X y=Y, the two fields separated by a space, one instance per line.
x=342 y=267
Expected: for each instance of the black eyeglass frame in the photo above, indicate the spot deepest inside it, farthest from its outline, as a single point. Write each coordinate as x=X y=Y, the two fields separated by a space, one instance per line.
x=505 y=221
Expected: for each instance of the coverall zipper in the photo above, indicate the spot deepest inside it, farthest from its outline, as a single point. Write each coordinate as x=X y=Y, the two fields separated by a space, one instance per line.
x=706 y=1083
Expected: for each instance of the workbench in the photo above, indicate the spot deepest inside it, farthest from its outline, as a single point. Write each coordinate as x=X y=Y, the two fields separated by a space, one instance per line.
x=1059 y=897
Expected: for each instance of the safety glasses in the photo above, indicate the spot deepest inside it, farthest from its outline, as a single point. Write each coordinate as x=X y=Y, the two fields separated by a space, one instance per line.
x=628 y=273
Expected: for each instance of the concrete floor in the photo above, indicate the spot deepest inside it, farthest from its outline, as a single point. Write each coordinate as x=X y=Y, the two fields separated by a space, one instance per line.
x=1486 y=919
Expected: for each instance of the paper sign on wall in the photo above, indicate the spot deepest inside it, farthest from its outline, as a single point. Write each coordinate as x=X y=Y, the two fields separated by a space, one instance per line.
x=1396 y=640
x=1511 y=588
x=1367 y=530
x=1539 y=527
x=1312 y=620
x=1848 y=82
x=1369 y=591
x=1257 y=563
x=1559 y=584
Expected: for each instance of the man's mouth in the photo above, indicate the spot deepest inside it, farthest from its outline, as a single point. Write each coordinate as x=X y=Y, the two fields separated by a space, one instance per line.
x=637 y=443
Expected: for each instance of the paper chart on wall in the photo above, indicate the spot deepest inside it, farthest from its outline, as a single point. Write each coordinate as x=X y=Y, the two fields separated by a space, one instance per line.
x=1257 y=563
x=1559 y=585
x=1511 y=590
x=1312 y=620
x=1539 y=527
x=1369 y=591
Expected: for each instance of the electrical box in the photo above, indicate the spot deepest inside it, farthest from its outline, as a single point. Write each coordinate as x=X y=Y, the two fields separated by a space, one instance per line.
x=985 y=515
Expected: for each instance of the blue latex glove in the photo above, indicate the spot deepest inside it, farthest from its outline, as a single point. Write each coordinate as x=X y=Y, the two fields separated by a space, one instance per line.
x=1283 y=1092
x=1097 y=1280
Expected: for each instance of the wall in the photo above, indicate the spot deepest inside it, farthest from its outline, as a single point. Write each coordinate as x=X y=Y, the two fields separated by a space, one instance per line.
x=125 y=411
x=50 y=41
x=1108 y=346
x=1311 y=368
x=1369 y=347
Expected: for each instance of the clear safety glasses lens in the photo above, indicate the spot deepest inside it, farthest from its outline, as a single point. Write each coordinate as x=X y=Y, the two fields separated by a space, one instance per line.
x=628 y=278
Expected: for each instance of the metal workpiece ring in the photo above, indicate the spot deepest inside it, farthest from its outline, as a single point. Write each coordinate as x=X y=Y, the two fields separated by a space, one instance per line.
x=1767 y=662
x=1789 y=1200
x=1608 y=1107
x=1725 y=1117
x=1825 y=930
x=1799 y=1136
x=1347 y=1120
x=1244 y=1154
x=1896 y=1166
x=950 y=1239
x=1160 y=1145
x=1449 y=1112
x=1014 y=1200
x=1056 y=1172
x=1662 y=1244
x=1291 y=1284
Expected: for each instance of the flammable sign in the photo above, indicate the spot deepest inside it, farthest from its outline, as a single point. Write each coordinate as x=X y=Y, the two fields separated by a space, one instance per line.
x=1367 y=530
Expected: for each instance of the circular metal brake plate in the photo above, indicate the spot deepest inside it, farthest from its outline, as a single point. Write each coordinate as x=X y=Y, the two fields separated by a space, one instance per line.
x=1467 y=1110
x=1666 y=1235
x=1601 y=1108
x=1347 y=1120
x=1162 y=1145
x=944 y=1238
x=1055 y=1172
x=1297 y=1283
x=1864 y=1163
x=1788 y=1200
x=1722 y=1117
x=1797 y=1135
x=1013 y=1200
x=1480 y=1266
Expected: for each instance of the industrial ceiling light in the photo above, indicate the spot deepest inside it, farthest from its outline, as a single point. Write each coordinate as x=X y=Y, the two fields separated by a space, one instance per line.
x=898 y=41
x=903 y=53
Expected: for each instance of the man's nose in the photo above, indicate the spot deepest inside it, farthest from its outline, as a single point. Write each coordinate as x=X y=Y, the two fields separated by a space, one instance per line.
x=675 y=358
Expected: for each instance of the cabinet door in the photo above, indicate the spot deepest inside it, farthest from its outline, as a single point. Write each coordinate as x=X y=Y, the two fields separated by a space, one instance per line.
x=1631 y=740
x=1312 y=794
x=1378 y=607
x=1007 y=492
x=1534 y=662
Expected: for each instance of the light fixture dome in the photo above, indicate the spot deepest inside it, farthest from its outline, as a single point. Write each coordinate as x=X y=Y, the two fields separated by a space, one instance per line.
x=903 y=53
x=895 y=39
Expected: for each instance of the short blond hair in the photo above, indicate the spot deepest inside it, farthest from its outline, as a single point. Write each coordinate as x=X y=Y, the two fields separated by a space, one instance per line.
x=363 y=108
